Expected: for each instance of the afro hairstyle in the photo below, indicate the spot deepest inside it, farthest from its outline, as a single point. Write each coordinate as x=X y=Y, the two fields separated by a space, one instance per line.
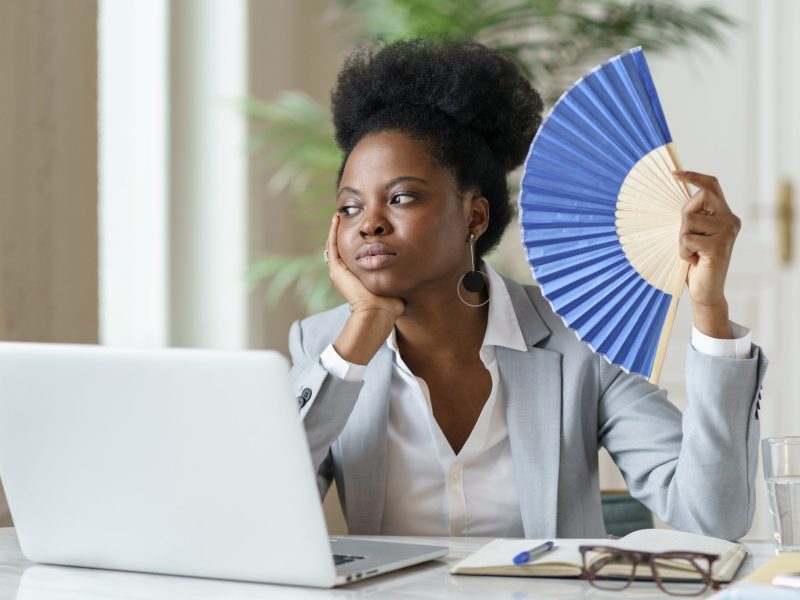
x=470 y=104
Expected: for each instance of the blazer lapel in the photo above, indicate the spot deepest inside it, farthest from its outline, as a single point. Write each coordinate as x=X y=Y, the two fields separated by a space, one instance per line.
x=532 y=390
x=363 y=445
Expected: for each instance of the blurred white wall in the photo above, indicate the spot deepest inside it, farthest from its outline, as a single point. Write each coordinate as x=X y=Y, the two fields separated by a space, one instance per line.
x=208 y=174
x=173 y=173
x=133 y=102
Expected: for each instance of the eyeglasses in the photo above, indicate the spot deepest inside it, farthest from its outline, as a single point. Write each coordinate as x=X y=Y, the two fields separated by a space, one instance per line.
x=675 y=573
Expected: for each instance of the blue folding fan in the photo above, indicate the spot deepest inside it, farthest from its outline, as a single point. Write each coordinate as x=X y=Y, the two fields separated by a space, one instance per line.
x=600 y=214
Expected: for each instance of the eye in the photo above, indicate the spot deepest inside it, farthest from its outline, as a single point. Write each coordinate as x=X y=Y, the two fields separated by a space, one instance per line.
x=401 y=198
x=348 y=210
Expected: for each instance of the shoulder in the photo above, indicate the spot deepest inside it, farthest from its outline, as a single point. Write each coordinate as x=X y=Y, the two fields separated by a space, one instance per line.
x=535 y=313
x=530 y=306
x=554 y=323
x=316 y=332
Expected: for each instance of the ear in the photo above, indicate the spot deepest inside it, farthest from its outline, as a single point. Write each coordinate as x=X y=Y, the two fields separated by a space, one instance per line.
x=478 y=215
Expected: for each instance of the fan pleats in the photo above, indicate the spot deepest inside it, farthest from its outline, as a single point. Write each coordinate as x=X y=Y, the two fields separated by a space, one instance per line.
x=600 y=212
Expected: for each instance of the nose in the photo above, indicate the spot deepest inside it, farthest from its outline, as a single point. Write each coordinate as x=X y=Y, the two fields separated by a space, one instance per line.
x=379 y=230
x=374 y=224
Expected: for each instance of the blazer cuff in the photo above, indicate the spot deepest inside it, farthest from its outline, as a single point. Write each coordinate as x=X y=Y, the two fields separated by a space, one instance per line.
x=339 y=367
x=738 y=347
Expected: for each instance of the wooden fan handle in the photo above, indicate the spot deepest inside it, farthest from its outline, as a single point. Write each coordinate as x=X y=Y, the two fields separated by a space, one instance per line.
x=663 y=341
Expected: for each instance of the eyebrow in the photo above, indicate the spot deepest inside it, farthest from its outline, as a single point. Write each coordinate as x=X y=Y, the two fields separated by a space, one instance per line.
x=387 y=185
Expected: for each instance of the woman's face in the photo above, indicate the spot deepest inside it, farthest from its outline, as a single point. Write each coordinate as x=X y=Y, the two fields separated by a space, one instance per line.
x=403 y=224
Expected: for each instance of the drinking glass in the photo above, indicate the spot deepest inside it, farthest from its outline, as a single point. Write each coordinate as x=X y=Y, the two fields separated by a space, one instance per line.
x=782 y=476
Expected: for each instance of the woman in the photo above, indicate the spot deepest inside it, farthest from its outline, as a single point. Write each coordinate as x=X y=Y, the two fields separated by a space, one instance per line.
x=445 y=411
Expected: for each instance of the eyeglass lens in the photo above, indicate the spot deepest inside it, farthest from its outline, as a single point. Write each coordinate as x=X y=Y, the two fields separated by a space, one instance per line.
x=676 y=574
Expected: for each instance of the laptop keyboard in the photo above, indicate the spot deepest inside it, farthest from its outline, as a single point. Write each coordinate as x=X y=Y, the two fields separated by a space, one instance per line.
x=341 y=559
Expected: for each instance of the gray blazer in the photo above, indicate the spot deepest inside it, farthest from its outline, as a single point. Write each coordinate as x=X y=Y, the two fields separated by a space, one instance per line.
x=563 y=402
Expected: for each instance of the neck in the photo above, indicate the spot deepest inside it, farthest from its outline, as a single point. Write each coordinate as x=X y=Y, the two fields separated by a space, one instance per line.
x=436 y=326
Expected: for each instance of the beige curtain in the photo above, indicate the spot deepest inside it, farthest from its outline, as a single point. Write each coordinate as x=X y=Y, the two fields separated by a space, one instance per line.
x=48 y=173
x=5 y=516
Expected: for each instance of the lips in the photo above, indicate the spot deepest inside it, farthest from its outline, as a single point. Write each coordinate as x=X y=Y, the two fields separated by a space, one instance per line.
x=375 y=256
x=375 y=249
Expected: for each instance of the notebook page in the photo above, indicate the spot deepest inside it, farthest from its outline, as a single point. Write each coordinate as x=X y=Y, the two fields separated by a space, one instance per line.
x=665 y=540
x=500 y=553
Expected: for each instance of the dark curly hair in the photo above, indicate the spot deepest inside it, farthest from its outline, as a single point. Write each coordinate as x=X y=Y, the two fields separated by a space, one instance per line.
x=472 y=106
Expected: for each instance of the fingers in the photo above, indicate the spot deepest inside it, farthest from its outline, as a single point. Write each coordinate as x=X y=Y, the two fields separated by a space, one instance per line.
x=708 y=182
x=700 y=224
x=707 y=213
x=709 y=200
x=338 y=273
x=341 y=277
x=332 y=245
x=708 y=236
x=711 y=224
x=708 y=232
x=699 y=202
x=713 y=248
x=709 y=227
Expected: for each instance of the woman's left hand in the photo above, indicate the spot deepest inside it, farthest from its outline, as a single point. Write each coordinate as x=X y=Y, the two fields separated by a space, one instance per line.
x=708 y=231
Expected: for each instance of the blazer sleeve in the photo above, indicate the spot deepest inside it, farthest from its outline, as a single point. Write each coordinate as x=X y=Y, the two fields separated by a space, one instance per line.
x=696 y=471
x=325 y=402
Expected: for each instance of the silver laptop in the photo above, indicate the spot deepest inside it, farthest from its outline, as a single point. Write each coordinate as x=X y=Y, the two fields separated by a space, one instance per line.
x=184 y=462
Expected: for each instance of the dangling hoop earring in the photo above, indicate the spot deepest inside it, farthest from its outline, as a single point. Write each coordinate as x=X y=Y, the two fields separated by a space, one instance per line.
x=474 y=281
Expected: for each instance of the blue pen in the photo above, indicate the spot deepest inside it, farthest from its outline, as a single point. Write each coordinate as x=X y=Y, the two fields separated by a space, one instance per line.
x=523 y=557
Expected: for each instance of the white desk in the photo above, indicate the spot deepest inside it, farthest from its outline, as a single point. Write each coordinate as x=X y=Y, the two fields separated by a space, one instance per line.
x=22 y=580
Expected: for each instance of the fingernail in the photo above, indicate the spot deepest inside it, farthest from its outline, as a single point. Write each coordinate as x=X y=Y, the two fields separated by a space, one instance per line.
x=678 y=172
x=334 y=217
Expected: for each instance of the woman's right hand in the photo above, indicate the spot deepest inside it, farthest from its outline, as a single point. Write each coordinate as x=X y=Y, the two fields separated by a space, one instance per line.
x=372 y=317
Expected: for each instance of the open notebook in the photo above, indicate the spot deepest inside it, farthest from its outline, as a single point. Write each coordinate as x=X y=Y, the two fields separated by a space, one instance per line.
x=495 y=558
